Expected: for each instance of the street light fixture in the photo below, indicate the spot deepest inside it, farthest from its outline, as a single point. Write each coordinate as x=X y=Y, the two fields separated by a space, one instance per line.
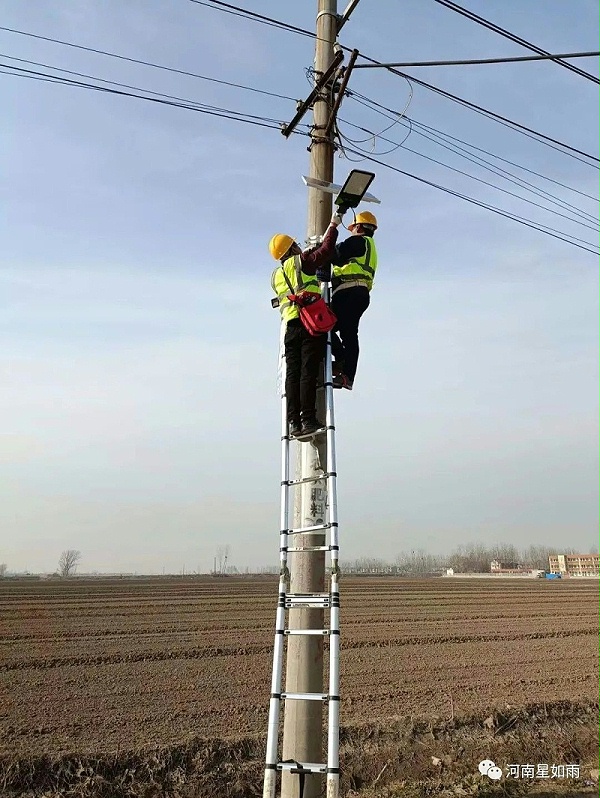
x=351 y=193
x=354 y=189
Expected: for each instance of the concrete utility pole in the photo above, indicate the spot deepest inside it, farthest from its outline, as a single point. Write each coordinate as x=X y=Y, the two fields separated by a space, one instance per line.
x=303 y=720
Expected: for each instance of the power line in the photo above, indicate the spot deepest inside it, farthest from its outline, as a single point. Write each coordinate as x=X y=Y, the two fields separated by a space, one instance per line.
x=520 y=219
x=438 y=138
x=292 y=28
x=513 y=37
x=543 y=228
x=479 y=61
x=554 y=201
x=190 y=105
x=147 y=63
x=238 y=116
x=512 y=163
x=252 y=15
x=595 y=228
x=239 y=11
x=32 y=77
x=526 y=131
x=376 y=106
x=137 y=88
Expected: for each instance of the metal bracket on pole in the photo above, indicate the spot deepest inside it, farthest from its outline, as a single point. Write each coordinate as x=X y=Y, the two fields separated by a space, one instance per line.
x=343 y=18
x=340 y=95
x=303 y=108
x=328 y=14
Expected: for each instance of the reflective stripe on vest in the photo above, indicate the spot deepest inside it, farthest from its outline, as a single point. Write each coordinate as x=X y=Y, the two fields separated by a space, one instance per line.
x=293 y=269
x=361 y=268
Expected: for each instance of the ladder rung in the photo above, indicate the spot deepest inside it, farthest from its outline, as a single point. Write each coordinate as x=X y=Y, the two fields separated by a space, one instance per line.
x=308 y=548
x=322 y=600
x=305 y=696
x=302 y=767
x=309 y=479
x=315 y=528
x=319 y=632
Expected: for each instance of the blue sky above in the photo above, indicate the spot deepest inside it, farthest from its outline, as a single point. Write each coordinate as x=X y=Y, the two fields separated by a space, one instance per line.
x=139 y=349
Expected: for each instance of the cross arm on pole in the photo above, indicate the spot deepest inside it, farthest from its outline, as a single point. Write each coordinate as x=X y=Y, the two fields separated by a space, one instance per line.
x=304 y=106
x=338 y=99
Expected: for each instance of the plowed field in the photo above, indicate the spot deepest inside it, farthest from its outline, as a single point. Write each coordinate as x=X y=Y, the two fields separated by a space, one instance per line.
x=103 y=665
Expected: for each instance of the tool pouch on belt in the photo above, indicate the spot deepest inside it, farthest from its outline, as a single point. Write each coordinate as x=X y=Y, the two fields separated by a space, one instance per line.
x=315 y=314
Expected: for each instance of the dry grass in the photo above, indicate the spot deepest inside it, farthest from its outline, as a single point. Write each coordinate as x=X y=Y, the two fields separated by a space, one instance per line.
x=397 y=758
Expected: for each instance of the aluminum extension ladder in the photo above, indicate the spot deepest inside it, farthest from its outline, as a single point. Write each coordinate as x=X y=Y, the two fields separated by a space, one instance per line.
x=326 y=601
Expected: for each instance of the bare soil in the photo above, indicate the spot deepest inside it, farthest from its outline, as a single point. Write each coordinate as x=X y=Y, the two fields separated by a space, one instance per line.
x=114 y=687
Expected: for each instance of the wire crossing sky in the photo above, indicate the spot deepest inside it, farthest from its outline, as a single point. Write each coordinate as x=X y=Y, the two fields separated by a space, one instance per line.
x=179 y=102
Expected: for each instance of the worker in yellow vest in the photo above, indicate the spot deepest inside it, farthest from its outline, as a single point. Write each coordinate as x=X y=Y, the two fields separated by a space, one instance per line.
x=354 y=265
x=303 y=351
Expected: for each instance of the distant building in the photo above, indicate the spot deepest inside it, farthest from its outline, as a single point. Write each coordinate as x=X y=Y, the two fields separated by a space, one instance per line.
x=574 y=564
x=497 y=567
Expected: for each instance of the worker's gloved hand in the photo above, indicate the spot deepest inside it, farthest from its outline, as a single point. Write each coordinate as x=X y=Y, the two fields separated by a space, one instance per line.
x=336 y=219
x=324 y=273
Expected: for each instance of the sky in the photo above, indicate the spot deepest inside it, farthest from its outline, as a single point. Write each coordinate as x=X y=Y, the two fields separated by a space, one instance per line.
x=138 y=349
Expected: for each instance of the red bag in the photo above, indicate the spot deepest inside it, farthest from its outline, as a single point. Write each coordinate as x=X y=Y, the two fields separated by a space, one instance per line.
x=315 y=314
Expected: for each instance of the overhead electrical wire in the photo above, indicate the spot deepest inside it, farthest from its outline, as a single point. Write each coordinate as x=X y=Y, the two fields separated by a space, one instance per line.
x=514 y=38
x=373 y=136
x=529 y=223
x=520 y=219
x=526 y=131
x=480 y=61
x=376 y=106
x=472 y=177
x=237 y=11
x=236 y=116
x=136 y=88
x=227 y=7
x=271 y=123
x=32 y=77
x=260 y=91
x=587 y=218
x=395 y=120
x=439 y=138
x=147 y=63
x=568 y=149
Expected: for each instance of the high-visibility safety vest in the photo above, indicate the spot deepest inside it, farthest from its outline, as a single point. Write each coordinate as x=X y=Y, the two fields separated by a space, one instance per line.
x=299 y=282
x=358 y=271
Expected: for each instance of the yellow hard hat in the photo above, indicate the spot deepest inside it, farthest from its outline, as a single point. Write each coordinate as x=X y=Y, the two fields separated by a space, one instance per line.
x=279 y=245
x=364 y=217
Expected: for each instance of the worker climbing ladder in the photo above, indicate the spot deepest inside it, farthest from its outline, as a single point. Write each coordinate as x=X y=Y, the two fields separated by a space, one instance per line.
x=313 y=535
x=329 y=602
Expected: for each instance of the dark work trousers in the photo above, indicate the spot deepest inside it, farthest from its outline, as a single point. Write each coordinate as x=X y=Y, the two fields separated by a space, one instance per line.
x=303 y=355
x=348 y=304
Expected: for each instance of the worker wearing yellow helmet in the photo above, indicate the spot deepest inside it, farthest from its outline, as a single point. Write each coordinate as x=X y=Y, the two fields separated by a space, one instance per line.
x=303 y=351
x=354 y=265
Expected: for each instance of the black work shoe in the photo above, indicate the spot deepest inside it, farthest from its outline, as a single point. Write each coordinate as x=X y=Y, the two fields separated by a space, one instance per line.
x=311 y=427
x=295 y=428
x=341 y=381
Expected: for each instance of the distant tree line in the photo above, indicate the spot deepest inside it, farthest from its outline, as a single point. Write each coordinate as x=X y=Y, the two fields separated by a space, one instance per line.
x=469 y=558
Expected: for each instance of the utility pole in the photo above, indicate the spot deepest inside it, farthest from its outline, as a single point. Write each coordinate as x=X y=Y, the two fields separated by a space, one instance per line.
x=303 y=720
